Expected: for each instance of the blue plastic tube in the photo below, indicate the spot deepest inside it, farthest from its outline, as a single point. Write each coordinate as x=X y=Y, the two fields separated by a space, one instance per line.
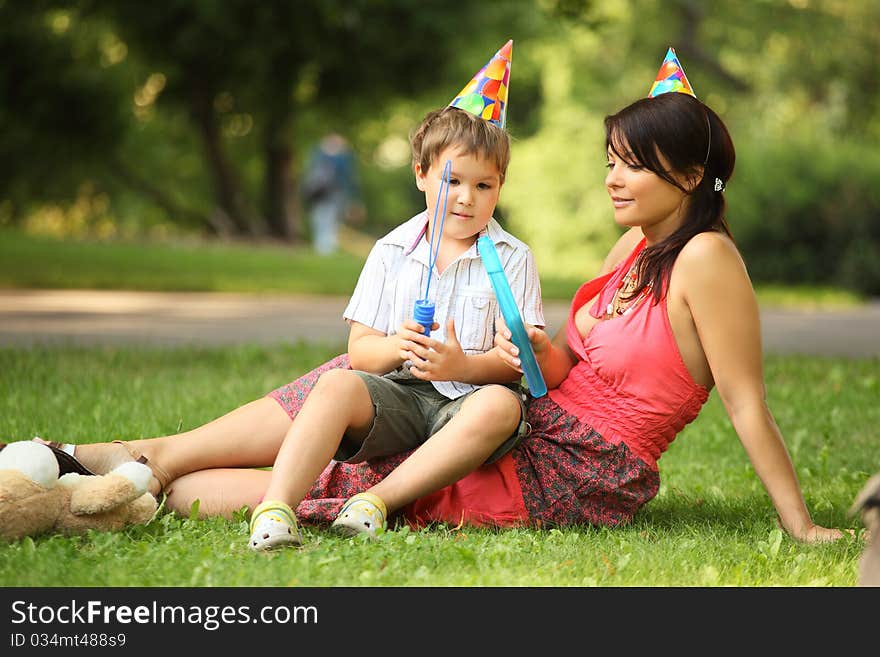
x=512 y=317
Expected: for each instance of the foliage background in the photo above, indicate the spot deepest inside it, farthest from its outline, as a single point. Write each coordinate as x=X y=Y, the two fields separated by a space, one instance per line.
x=191 y=117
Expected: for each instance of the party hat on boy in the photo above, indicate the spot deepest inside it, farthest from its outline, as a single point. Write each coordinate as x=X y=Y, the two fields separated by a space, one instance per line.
x=486 y=94
x=671 y=78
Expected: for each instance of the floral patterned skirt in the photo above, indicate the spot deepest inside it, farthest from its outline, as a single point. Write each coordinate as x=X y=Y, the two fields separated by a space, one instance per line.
x=570 y=475
x=564 y=473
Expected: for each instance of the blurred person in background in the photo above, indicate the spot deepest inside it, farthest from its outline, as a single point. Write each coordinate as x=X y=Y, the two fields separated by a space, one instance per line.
x=331 y=191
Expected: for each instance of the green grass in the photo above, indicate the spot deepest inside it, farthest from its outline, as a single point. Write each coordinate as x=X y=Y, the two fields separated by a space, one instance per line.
x=28 y=262
x=711 y=524
x=820 y=297
x=33 y=262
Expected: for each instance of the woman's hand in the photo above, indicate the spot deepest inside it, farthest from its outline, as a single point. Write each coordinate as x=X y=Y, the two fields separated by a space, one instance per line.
x=509 y=352
x=813 y=533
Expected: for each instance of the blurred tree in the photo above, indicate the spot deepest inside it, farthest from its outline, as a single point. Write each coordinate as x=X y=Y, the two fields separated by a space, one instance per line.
x=205 y=108
x=765 y=68
x=271 y=59
x=83 y=81
x=59 y=110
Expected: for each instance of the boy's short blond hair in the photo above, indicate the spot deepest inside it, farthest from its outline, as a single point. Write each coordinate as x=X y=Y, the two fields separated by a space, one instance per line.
x=451 y=126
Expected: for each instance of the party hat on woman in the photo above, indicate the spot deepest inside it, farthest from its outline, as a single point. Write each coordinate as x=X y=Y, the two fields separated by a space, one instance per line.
x=486 y=94
x=671 y=78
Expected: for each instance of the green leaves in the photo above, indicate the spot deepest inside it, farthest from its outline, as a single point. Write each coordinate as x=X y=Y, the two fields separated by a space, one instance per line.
x=770 y=547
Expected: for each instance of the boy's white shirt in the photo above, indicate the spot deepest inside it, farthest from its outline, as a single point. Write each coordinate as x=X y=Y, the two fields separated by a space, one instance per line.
x=394 y=277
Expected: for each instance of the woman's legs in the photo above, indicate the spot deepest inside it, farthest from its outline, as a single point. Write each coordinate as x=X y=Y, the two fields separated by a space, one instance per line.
x=249 y=436
x=220 y=492
x=246 y=437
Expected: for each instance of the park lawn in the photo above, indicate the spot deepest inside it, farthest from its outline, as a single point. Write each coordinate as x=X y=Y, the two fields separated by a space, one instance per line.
x=29 y=262
x=41 y=263
x=711 y=524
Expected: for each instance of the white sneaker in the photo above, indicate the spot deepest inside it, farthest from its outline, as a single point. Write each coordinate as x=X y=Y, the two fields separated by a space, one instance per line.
x=273 y=525
x=363 y=513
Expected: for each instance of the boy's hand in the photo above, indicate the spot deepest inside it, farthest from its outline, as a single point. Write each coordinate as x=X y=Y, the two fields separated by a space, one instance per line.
x=433 y=360
x=509 y=352
x=410 y=335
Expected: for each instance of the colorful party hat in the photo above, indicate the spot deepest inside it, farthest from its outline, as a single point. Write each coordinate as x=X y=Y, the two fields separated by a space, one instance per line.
x=486 y=94
x=671 y=78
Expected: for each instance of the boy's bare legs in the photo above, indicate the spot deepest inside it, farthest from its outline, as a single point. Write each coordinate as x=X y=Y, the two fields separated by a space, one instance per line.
x=454 y=451
x=249 y=436
x=486 y=419
x=483 y=423
x=339 y=405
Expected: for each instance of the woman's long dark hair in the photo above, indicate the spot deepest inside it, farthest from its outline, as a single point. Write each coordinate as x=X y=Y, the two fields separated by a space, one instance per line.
x=690 y=137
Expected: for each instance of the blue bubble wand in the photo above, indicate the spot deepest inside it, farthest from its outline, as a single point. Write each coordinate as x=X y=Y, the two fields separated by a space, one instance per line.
x=423 y=311
x=513 y=319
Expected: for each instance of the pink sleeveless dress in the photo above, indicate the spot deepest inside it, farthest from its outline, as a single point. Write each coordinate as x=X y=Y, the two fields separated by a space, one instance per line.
x=591 y=457
x=630 y=383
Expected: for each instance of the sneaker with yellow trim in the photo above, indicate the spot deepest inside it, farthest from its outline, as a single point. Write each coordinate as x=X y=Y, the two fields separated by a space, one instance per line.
x=363 y=513
x=273 y=525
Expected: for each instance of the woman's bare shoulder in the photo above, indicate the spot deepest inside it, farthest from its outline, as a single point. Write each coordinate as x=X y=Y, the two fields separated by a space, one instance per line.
x=708 y=264
x=709 y=250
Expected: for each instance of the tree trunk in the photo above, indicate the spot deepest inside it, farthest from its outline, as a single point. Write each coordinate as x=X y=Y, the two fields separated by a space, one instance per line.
x=280 y=201
x=230 y=199
x=282 y=207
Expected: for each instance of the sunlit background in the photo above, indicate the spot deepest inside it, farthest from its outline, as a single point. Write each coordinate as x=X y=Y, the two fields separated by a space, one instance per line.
x=175 y=119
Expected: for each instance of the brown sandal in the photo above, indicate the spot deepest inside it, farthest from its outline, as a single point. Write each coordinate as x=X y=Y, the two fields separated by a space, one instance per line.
x=66 y=462
x=158 y=472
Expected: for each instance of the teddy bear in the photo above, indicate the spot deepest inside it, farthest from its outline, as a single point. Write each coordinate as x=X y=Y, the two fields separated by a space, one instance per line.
x=35 y=500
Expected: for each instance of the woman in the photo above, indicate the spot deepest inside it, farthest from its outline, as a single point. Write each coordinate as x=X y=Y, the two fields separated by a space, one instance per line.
x=671 y=315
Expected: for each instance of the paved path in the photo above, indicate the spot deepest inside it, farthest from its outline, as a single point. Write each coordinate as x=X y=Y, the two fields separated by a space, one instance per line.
x=157 y=318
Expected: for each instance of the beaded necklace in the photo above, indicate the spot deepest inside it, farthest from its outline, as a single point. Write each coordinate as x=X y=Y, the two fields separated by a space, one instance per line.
x=618 y=306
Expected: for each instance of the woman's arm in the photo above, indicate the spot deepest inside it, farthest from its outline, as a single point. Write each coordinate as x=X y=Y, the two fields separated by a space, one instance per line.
x=554 y=357
x=717 y=291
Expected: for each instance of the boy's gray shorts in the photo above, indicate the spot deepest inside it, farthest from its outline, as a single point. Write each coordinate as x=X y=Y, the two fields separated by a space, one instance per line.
x=408 y=412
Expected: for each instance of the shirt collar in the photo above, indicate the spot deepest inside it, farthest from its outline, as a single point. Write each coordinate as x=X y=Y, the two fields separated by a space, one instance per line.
x=414 y=234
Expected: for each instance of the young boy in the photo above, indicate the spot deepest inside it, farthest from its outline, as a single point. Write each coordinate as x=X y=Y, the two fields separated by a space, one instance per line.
x=406 y=390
